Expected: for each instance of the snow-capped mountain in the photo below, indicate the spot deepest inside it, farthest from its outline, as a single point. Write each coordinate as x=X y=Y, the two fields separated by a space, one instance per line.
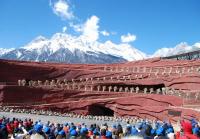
x=178 y=49
x=4 y=51
x=63 y=47
x=66 y=48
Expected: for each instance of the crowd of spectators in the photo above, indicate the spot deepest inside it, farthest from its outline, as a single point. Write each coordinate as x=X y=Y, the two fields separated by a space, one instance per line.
x=15 y=128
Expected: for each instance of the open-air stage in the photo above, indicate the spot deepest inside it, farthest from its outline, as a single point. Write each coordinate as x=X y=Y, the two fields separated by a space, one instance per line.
x=152 y=88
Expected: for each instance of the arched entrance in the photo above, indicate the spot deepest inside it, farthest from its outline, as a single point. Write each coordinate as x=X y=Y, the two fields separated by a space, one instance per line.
x=99 y=110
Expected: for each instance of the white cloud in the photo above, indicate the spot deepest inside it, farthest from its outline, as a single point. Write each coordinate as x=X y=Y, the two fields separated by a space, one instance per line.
x=90 y=29
x=128 y=38
x=76 y=27
x=61 y=8
x=105 y=33
x=64 y=29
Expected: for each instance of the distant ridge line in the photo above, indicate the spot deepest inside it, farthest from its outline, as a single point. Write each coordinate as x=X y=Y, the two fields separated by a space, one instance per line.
x=185 y=56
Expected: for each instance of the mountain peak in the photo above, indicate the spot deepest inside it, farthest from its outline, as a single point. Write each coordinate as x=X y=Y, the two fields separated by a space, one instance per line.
x=182 y=47
x=62 y=47
x=59 y=36
x=39 y=39
x=36 y=43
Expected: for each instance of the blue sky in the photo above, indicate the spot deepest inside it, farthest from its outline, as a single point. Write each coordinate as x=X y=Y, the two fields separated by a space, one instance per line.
x=152 y=24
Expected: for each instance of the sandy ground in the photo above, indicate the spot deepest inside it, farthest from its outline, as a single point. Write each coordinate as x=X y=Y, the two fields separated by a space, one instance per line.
x=56 y=119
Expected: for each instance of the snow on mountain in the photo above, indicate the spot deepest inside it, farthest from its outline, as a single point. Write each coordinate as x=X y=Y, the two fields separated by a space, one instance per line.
x=37 y=43
x=121 y=50
x=178 y=49
x=63 y=47
x=78 y=43
x=197 y=45
x=4 y=51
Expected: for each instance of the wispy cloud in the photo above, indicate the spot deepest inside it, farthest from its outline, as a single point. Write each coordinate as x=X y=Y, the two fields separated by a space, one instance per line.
x=105 y=33
x=88 y=30
x=76 y=27
x=64 y=29
x=62 y=9
x=128 y=38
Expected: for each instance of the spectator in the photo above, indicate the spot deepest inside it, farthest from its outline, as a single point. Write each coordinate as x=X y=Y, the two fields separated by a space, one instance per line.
x=48 y=133
x=38 y=134
x=187 y=131
x=139 y=129
x=73 y=134
x=170 y=133
x=3 y=131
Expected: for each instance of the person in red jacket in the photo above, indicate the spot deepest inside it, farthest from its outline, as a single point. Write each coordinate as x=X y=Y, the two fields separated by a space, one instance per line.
x=9 y=128
x=16 y=124
x=187 y=131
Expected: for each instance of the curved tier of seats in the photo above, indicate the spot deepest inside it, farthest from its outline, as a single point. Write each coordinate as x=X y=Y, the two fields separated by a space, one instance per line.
x=151 y=88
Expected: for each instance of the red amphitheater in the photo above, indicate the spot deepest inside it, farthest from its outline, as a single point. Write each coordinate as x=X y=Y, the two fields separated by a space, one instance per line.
x=154 y=88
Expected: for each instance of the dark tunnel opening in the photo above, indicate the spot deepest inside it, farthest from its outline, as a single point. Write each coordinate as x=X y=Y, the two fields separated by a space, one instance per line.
x=99 y=110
